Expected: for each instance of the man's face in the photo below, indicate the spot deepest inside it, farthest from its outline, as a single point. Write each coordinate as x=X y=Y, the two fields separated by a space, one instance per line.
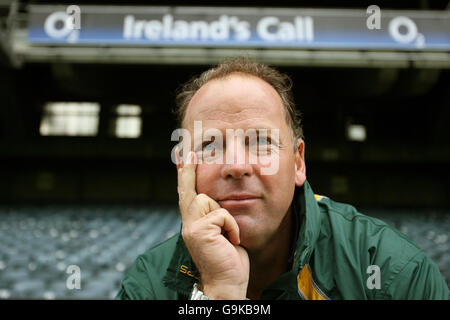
x=257 y=201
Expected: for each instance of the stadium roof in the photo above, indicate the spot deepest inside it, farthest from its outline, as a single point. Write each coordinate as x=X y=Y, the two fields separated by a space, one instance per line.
x=351 y=45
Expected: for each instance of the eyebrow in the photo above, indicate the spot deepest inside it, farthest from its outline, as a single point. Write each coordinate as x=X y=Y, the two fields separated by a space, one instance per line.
x=223 y=131
x=256 y=130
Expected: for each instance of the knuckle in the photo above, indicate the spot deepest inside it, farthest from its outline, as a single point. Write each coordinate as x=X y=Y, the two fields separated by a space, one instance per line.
x=221 y=212
x=200 y=203
x=201 y=197
x=191 y=232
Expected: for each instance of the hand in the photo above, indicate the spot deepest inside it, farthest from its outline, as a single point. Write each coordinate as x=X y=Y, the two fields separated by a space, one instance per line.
x=211 y=235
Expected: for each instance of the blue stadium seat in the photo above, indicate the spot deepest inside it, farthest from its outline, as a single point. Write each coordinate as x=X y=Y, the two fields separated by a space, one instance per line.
x=38 y=243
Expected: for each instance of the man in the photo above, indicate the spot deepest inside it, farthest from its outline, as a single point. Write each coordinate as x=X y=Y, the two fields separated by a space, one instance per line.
x=251 y=235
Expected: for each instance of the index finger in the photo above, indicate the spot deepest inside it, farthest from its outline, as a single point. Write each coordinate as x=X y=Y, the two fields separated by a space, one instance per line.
x=186 y=182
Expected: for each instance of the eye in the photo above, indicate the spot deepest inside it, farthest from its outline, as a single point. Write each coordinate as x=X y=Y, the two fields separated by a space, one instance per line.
x=264 y=140
x=257 y=140
x=209 y=146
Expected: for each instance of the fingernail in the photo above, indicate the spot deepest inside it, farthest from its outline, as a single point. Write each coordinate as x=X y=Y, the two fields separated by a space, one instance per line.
x=191 y=157
x=188 y=158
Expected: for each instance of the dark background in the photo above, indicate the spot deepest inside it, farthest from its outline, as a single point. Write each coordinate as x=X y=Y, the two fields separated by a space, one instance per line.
x=403 y=162
x=111 y=187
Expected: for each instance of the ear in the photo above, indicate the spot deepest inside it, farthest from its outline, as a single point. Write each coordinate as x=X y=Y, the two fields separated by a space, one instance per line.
x=300 y=166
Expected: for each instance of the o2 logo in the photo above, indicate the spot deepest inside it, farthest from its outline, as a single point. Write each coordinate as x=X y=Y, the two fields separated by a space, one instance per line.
x=64 y=25
x=401 y=29
x=411 y=35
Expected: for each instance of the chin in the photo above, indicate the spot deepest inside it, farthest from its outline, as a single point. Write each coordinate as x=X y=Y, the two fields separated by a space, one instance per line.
x=251 y=243
x=249 y=232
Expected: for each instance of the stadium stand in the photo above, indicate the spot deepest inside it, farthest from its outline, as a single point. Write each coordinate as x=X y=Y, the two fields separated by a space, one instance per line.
x=38 y=243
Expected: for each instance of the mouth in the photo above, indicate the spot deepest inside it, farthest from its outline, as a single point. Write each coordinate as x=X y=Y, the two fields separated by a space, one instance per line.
x=238 y=200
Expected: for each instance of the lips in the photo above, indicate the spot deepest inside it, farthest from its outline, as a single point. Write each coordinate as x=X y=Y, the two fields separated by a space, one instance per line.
x=239 y=197
x=238 y=200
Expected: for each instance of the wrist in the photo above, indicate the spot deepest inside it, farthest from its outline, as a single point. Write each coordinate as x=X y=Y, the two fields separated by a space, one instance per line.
x=197 y=294
x=224 y=292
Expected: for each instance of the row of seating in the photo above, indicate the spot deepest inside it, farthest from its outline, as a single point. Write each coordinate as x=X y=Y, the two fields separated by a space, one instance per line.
x=38 y=243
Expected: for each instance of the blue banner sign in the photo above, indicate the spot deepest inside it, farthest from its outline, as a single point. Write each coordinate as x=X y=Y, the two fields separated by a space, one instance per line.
x=373 y=28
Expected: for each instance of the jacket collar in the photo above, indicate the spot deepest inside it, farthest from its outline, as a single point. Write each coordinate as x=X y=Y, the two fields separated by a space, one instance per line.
x=182 y=274
x=306 y=208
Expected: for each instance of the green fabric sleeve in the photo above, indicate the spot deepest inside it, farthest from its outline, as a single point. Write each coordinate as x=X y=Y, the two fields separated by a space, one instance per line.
x=420 y=279
x=135 y=286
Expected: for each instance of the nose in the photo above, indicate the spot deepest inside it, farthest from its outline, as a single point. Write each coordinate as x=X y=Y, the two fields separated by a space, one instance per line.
x=236 y=162
x=236 y=171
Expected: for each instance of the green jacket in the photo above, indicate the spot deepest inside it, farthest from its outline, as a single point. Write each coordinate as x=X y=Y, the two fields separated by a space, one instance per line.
x=338 y=253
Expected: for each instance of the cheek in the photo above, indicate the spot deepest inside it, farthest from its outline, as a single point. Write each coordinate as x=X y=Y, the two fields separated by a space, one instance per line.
x=282 y=183
x=205 y=177
x=285 y=173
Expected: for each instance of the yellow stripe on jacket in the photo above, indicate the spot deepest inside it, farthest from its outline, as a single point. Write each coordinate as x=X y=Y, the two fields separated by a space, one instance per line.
x=306 y=286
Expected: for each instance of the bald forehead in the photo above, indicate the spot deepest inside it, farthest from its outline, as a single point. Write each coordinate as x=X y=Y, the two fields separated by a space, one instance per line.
x=238 y=97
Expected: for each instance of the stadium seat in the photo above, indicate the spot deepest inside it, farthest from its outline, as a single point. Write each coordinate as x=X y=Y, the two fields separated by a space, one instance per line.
x=38 y=243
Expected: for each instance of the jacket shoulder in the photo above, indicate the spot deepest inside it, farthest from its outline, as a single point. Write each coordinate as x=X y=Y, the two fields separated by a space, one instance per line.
x=362 y=245
x=144 y=279
x=368 y=231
